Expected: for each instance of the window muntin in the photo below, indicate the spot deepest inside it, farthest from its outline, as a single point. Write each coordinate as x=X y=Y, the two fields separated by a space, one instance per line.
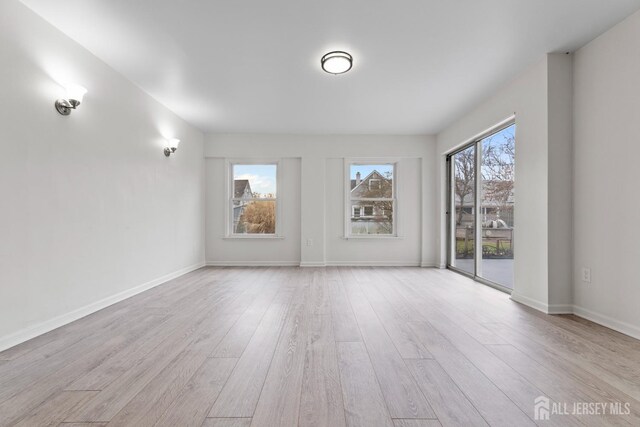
x=253 y=201
x=371 y=196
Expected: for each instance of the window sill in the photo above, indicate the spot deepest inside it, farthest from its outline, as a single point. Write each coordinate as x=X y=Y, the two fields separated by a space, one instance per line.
x=255 y=237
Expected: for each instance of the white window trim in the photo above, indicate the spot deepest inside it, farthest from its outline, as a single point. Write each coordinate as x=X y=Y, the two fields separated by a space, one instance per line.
x=348 y=202
x=229 y=163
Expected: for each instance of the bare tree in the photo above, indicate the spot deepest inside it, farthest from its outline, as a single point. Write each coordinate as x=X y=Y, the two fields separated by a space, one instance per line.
x=464 y=182
x=498 y=171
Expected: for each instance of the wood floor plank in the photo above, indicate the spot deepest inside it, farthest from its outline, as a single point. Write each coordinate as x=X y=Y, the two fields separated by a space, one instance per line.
x=588 y=387
x=119 y=393
x=402 y=336
x=195 y=400
x=510 y=382
x=345 y=327
x=227 y=422
x=319 y=299
x=404 y=398
x=614 y=369
x=416 y=423
x=105 y=373
x=597 y=333
x=240 y=394
x=82 y=424
x=17 y=376
x=54 y=410
x=418 y=290
x=364 y=403
x=560 y=387
x=279 y=402
x=43 y=386
x=449 y=403
x=238 y=337
x=495 y=407
x=321 y=398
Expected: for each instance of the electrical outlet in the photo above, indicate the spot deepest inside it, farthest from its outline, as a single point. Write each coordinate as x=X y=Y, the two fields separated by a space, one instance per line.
x=309 y=242
x=586 y=275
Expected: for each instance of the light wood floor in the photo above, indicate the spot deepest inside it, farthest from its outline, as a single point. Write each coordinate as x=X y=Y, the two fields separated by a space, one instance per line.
x=403 y=347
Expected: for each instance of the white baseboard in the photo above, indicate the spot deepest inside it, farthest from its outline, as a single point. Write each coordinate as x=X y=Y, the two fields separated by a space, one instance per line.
x=609 y=322
x=530 y=302
x=560 y=309
x=253 y=263
x=429 y=265
x=541 y=306
x=33 y=331
x=373 y=264
x=313 y=264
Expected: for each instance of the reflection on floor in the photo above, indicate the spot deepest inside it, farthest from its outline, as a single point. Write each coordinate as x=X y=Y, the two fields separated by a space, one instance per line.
x=499 y=271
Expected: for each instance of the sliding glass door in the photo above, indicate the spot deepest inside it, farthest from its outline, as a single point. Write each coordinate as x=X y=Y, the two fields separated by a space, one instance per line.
x=481 y=206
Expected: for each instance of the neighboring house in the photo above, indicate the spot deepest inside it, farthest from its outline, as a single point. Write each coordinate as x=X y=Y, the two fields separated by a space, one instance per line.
x=491 y=210
x=372 y=217
x=241 y=190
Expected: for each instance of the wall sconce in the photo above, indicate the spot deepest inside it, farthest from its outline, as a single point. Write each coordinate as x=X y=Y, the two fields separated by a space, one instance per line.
x=172 y=146
x=74 y=98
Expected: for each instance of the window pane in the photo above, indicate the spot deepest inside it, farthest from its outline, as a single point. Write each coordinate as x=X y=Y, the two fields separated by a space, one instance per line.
x=372 y=218
x=463 y=188
x=254 y=217
x=254 y=181
x=497 y=203
x=371 y=181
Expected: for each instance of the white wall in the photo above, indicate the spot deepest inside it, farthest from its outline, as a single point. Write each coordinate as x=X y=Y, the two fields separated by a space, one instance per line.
x=607 y=176
x=92 y=210
x=530 y=99
x=525 y=96
x=313 y=190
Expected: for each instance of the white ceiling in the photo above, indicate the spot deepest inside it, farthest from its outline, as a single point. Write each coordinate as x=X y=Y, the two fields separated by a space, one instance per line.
x=254 y=66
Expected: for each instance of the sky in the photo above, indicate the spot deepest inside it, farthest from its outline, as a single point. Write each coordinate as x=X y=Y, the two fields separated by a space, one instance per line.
x=367 y=169
x=498 y=139
x=262 y=178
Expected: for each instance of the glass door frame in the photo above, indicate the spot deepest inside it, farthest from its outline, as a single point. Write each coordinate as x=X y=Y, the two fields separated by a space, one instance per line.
x=477 y=201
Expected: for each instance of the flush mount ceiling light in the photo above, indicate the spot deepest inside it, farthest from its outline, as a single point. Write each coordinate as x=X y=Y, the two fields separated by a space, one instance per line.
x=336 y=62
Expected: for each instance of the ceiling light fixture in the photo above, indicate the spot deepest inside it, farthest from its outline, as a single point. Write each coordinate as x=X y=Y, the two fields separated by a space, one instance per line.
x=74 y=98
x=336 y=62
x=172 y=146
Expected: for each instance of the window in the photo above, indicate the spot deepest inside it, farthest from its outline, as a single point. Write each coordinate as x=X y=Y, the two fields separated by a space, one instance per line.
x=253 y=199
x=371 y=193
